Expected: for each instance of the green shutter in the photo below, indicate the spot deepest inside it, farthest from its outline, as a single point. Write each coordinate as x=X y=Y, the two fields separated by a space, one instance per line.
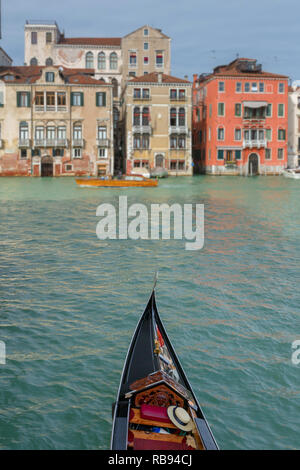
x=104 y=99
x=81 y=99
x=18 y=99
x=72 y=98
x=28 y=99
x=220 y=154
x=97 y=98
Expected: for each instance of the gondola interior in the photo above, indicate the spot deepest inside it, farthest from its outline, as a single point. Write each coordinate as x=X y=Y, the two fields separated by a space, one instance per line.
x=156 y=408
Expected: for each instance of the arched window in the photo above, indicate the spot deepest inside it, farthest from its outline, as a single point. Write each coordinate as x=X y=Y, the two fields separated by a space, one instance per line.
x=34 y=61
x=173 y=115
x=49 y=62
x=101 y=61
x=136 y=116
x=181 y=117
x=146 y=116
x=115 y=87
x=89 y=60
x=113 y=61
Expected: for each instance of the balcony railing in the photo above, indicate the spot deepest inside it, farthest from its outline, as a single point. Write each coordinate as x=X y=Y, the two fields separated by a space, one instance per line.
x=178 y=130
x=78 y=143
x=255 y=143
x=141 y=98
x=103 y=143
x=177 y=149
x=24 y=143
x=51 y=142
x=44 y=109
x=142 y=129
x=178 y=98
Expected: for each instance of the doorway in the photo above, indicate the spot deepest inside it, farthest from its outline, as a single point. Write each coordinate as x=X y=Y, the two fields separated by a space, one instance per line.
x=253 y=164
x=159 y=161
x=47 y=166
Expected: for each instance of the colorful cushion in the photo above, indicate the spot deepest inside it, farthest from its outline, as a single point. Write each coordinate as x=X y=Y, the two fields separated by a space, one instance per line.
x=155 y=413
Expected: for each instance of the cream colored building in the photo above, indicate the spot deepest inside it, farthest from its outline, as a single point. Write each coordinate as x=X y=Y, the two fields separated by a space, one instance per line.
x=55 y=121
x=142 y=51
x=157 y=118
x=294 y=126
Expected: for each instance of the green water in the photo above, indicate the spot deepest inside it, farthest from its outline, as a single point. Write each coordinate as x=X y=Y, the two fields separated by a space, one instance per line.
x=70 y=303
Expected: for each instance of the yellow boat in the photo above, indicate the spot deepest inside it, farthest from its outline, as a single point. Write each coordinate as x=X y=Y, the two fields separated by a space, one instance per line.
x=124 y=182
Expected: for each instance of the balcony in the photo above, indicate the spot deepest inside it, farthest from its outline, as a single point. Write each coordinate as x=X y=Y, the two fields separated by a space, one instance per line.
x=142 y=98
x=54 y=143
x=255 y=143
x=45 y=109
x=24 y=143
x=178 y=98
x=78 y=143
x=142 y=129
x=178 y=130
x=104 y=143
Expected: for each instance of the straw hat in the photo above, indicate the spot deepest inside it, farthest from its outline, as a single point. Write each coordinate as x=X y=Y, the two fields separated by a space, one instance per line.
x=180 y=418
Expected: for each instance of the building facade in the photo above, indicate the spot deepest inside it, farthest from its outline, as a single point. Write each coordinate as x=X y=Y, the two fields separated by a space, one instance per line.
x=157 y=118
x=55 y=121
x=112 y=59
x=294 y=127
x=240 y=120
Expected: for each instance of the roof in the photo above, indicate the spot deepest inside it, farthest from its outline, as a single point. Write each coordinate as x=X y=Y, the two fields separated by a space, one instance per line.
x=90 y=41
x=149 y=27
x=153 y=78
x=240 y=67
x=32 y=73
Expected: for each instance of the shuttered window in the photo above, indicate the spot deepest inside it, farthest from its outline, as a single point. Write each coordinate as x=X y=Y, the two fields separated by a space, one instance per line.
x=77 y=98
x=101 y=98
x=23 y=99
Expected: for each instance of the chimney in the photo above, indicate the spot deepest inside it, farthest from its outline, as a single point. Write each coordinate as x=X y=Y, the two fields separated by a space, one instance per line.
x=159 y=77
x=186 y=77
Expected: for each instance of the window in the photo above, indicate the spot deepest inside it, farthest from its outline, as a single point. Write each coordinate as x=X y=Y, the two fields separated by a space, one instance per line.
x=50 y=77
x=238 y=154
x=146 y=93
x=181 y=141
x=261 y=87
x=49 y=62
x=280 y=154
x=50 y=98
x=146 y=32
x=132 y=59
x=61 y=98
x=146 y=46
x=48 y=37
x=136 y=141
x=101 y=61
x=113 y=61
x=280 y=110
x=132 y=74
x=146 y=60
x=137 y=93
x=247 y=87
x=77 y=98
x=102 y=153
x=221 y=87
x=238 y=109
x=181 y=94
x=50 y=133
x=62 y=132
x=181 y=117
x=101 y=98
x=238 y=87
x=23 y=153
x=77 y=153
x=281 y=88
x=269 y=110
x=39 y=98
x=237 y=134
x=1 y=99
x=200 y=136
x=268 y=135
x=34 y=37
x=146 y=117
x=281 y=134
x=159 y=59
x=77 y=132
x=33 y=61
x=89 y=60
x=23 y=99
x=221 y=109
x=173 y=94
x=220 y=155
x=24 y=132
x=136 y=116
x=39 y=133
x=268 y=154
x=69 y=167
x=220 y=133
x=102 y=132
x=254 y=87
x=145 y=141
x=173 y=117
x=58 y=152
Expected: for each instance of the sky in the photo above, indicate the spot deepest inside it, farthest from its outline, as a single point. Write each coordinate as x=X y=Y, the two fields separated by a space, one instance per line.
x=205 y=33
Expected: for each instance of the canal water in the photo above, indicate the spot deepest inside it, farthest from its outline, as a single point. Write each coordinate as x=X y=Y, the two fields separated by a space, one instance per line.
x=70 y=303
